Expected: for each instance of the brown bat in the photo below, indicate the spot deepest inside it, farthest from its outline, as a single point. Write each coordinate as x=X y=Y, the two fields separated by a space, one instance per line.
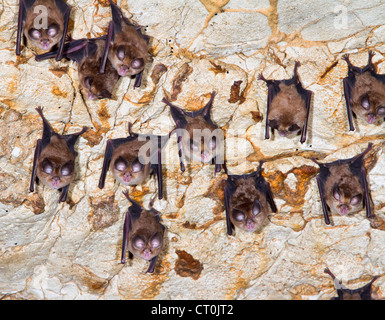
x=198 y=137
x=54 y=159
x=126 y=47
x=45 y=24
x=343 y=187
x=247 y=197
x=364 y=293
x=88 y=54
x=364 y=91
x=132 y=159
x=142 y=233
x=288 y=106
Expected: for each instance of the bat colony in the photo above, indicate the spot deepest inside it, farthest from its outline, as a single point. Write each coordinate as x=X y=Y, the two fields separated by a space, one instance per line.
x=123 y=51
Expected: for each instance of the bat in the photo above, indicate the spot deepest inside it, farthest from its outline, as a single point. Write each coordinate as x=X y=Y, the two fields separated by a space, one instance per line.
x=142 y=233
x=343 y=187
x=54 y=159
x=364 y=93
x=288 y=106
x=246 y=201
x=198 y=137
x=132 y=159
x=88 y=54
x=364 y=293
x=44 y=23
x=126 y=47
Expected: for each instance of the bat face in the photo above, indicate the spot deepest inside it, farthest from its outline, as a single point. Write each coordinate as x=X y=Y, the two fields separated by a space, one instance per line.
x=145 y=240
x=288 y=105
x=54 y=159
x=364 y=93
x=129 y=51
x=198 y=140
x=343 y=187
x=56 y=164
x=248 y=206
x=143 y=233
x=97 y=85
x=287 y=112
x=368 y=98
x=126 y=166
x=246 y=201
x=343 y=191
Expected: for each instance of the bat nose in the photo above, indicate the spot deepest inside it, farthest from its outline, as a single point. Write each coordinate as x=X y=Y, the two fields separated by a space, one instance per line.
x=343 y=209
x=137 y=63
x=105 y=94
x=371 y=118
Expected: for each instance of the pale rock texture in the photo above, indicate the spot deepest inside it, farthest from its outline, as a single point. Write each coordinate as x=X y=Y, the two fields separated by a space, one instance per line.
x=72 y=250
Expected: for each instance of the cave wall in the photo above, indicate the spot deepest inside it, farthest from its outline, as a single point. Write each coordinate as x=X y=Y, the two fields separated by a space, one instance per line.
x=51 y=250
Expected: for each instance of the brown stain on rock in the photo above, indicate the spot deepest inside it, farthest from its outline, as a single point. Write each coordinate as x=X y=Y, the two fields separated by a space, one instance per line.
x=187 y=266
x=94 y=283
x=182 y=75
x=216 y=68
x=235 y=94
x=59 y=72
x=157 y=72
x=293 y=198
x=104 y=212
x=35 y=202
x=257 y=116
x=57 y=92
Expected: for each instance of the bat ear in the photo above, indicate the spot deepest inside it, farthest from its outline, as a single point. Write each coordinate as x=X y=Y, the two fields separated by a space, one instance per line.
x=177 y=113
x=238 y=215
x=88 y=82
x=207 y=107
x=256 y=208
x=117 y=17
x=365 y=102
x=336 y=192
x=356 y=199
x=156 y=240
x=138 y=242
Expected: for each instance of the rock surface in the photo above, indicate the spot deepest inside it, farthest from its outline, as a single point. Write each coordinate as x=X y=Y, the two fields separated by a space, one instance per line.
x=72 y=250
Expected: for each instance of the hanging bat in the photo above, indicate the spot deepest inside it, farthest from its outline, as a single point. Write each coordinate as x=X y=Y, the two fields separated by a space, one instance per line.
x=364 y=293
x=246 y=201
x=142 y=233
x=343 y=187
x=88 y=54
x=45 y=24
x=364 y=91
x=54 y=159
x=126 y=47
x=132 y=159
x=288 y=106
x=198 y=137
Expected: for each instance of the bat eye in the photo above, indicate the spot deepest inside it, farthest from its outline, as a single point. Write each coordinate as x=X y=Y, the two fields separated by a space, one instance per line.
x=273 y=124
x=356 y=200
x=238 y=215
x=336 y=192
x=88 y=82
x=257 y=208
x=213 y=143
x=34 y=34
x=137 y=63
x=156 y=240
x=53 y=30
x=365 y=102
x=381 y=111
x=120 y=164
x=67 y=169
x=293 y=127
x=120 y=53
x=193 y=145
x=138 y=242
x=137 y=166
x=47 y=166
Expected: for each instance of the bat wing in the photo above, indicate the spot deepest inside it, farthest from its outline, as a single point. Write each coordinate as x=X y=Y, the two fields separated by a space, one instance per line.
x=306 y=95
x=64 y=193
x=72 y=138
x=34 y=167
x=321 y=178
x=24 y=5
x=151 y=267
x=262 y=185
x=348 y=87
x=357 y=168
x=65 y=9
x=229 y=190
